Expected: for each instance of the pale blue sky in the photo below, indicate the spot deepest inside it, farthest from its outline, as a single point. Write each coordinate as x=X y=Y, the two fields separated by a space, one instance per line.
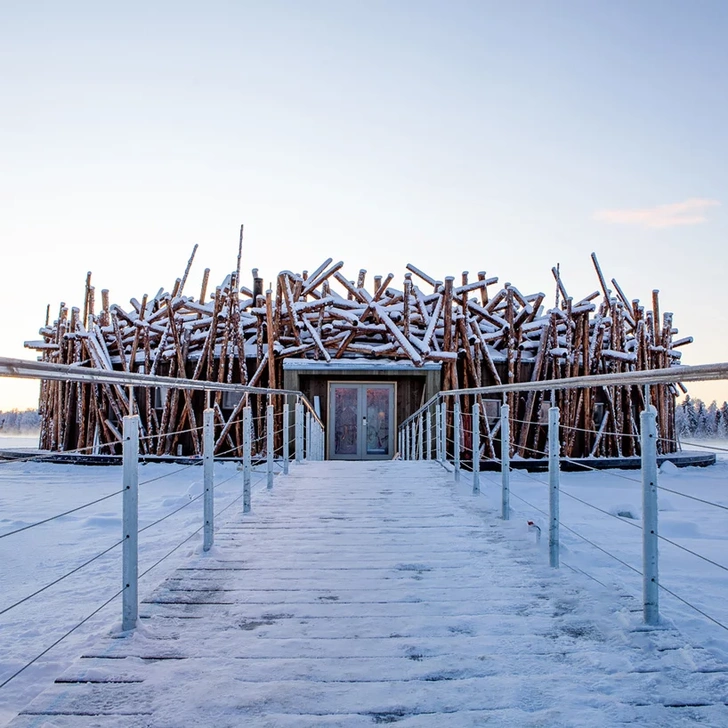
x=455 y=135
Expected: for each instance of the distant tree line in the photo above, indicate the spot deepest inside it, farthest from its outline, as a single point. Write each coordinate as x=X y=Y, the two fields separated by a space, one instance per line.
x=19 y=422
x=693 y=418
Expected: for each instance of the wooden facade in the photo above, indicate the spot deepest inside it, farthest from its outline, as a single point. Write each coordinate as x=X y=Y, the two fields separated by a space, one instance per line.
x=424 y=334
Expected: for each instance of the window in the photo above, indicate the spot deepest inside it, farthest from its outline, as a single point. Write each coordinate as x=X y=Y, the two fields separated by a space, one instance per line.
x=230 y=399
x=160 y=397
x=492 y=410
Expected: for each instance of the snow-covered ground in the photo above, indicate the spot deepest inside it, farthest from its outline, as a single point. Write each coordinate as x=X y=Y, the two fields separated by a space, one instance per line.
x=32 y=491
x=692 y=524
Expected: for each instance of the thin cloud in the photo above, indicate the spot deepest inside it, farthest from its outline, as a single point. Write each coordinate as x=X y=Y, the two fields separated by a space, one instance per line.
x=689 y=212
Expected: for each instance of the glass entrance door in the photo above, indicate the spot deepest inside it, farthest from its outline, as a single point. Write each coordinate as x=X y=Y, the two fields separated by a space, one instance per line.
x=361 y=421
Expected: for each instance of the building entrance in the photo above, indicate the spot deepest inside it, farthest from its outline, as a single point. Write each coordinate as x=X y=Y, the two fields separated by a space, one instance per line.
x=361 y=421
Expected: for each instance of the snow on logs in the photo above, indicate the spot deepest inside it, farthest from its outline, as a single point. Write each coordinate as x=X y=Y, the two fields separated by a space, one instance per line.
x=481 y=333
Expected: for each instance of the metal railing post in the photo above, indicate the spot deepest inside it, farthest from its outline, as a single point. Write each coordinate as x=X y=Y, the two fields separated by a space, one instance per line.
x=650 y=584
x=456 y=437
x=322 y=443
x=299 y=432
x=130 y=520
x=428 y=424
x=438 y=436
x=554 y=449
x=247 y=455
x=307 y=442
x=208 y=476
x=476 y=448
x=269 y=444
x=505 y=462
x=443 y=431
x=411 y=440
x=420 y=444
x=286 y=438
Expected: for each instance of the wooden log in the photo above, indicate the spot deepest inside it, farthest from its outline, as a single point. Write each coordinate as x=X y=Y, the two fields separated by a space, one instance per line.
x=317 y=340
x=240 y=256
x=407 y=295
x=559 y=285
x=270 y=339
x=85 y=299
x=656 y=315
x=625 y=301
x=188 y=411
x=351 y=289
x=290 y=308
x=588 y=298
x=315 y=282
x=119 y=344
x=434 y=319
x=381 y=289
x=484 y=289
x=536 y=375
x=137 y=333
x=487 y=358
x=447 y=314
x=224 y=437
x=423 y=276
x=602 y=282
x=203 y=287
x=187 y=271
x=398 y=335
x=318 y=271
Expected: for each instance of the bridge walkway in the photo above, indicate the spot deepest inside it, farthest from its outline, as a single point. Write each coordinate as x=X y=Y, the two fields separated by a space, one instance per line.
x=372 y=593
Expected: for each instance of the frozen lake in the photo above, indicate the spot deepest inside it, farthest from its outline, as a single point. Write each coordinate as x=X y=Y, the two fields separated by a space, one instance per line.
x=20 y=442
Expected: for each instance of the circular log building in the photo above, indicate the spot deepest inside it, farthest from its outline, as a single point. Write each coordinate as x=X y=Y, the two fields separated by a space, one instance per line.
x=374 y=348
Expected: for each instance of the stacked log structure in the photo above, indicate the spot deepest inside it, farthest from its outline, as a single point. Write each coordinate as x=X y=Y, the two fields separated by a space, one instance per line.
x=481 y=332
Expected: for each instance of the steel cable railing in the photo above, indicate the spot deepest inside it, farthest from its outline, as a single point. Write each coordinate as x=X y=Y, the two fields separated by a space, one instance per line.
x=692 y=497
x=170 y=434
x=279 y=436
x=60 y=515
x=170 y=514
x=61 y=578
x=636 y=525
x=577 y=534
x=196 y=531
x=705 y=446
x=170 y=474
x=86 y=563
x=118 y=593
x=61 y=638
x=460 y=443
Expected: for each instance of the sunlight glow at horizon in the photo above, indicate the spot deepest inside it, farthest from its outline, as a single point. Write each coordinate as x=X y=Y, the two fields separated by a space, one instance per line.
x=505 y=137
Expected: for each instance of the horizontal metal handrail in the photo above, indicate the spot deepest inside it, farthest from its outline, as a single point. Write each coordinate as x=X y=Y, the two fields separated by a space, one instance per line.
x=25 y=369
x=682 y=373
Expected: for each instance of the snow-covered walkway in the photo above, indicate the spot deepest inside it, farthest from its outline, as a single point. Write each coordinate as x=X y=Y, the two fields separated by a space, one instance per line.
x=370 y=593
